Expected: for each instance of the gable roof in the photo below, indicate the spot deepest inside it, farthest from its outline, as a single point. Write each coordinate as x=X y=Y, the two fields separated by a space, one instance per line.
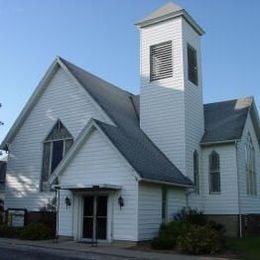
x=123 y=108
x=156 y=168
x=149 y=162
x=168 y=11
x=225 y=121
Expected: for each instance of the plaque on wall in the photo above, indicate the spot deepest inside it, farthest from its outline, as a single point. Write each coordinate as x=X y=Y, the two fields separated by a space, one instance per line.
x=16 y=217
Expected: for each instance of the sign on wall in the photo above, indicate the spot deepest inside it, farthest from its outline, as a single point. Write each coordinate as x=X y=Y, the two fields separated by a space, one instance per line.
x=16 y=217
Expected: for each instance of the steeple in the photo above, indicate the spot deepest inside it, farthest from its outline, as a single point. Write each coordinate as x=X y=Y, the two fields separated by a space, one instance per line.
x=171 y=106
x=166 y=12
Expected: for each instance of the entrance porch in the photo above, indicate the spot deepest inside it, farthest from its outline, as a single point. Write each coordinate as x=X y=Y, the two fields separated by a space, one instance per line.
x=89 y=210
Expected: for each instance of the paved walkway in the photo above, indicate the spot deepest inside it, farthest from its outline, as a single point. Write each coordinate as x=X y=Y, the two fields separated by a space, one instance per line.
x=104 y=249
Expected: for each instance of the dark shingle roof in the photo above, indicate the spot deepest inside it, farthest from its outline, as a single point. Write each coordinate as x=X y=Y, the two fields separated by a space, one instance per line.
x=123 y=108
x=225 y=120
x=144 y=156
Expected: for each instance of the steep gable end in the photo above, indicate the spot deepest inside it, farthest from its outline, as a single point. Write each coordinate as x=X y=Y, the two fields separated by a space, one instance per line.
x=56 y=67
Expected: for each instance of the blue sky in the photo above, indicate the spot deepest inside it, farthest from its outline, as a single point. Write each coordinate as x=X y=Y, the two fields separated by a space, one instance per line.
x=100 y=36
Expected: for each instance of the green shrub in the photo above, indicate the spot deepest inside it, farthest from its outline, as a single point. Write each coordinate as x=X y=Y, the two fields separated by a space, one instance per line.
x=192 y=233
x=218 y=227
x=10 y=232
x=192 y=216
x=163 y=242
x=36 y=232
x=169 y=233
x=200 y=240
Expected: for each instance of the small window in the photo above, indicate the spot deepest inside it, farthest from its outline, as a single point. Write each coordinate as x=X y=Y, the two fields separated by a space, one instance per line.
x=250 y=166
x=55 y=146
x=161 y=61
x=196 y=171
x=214 y=173
x=192 y=65
x=164 y=204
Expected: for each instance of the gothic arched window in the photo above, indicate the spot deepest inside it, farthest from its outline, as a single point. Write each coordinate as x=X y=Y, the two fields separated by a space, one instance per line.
x=55 y=146
x=196 y=171
x=250 y=166
x=214 y=173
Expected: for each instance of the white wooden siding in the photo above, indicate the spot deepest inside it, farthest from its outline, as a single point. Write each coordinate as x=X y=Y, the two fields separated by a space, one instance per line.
x=193 y=103
x=97 y=162
x=248 y=203
x=162 y=101
x=149 y=211
x=227 y=201
x=171 y=109
x=176 y=200
x=62 y=99
x=65 y=214
x=150 y=208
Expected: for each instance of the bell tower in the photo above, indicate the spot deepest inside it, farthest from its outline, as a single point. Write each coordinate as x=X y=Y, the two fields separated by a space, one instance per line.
x=171 y=105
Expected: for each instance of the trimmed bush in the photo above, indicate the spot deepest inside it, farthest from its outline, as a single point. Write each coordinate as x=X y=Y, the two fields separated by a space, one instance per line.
x=200 y=240
x=36 y=232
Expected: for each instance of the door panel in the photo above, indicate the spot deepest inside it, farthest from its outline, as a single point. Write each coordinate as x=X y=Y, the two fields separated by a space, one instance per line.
x=88 y=217
x=101 y=229
x=95 y=217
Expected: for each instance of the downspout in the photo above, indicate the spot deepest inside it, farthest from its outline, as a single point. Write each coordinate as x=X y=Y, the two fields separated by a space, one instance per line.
x=238 y=189
x=57 y=196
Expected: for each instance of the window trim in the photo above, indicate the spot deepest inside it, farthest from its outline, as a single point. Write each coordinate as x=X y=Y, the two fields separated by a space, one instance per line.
x=250 y=167
x=214 y=171
x=196 y=81
x=164 y=212
x=151 y=77
x=51 y=141
x=196 y=177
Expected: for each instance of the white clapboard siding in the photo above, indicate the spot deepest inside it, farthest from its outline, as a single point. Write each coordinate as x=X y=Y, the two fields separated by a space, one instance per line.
x=227 y=201
x=176 y=200
x=162 y=101
x=149 y=211
x=62 y=99
x=150 y=208
x=171 y=109
x=248 y=203
x=193 y=103
x=97 y=162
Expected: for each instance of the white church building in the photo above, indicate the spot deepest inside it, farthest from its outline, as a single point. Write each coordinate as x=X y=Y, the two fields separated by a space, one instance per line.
x=121 y=164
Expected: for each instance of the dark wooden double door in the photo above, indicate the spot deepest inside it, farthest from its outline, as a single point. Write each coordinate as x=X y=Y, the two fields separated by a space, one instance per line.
x=95 y=217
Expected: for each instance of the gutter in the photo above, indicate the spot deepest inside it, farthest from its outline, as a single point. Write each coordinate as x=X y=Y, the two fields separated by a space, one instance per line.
x=219 y=142
x=167 y=183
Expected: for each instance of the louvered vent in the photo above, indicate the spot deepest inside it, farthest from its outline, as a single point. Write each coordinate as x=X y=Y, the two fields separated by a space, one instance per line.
x=161 y=61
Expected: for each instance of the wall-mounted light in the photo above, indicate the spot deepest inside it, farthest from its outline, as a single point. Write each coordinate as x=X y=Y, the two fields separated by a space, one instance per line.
x=67 y=202
x=120 y=202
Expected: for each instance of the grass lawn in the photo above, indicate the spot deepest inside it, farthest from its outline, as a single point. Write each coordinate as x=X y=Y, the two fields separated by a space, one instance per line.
x=248 y=248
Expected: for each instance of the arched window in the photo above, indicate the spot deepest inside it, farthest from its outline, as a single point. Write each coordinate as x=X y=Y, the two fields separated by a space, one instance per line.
x=214 y=173
x=250 y=166
x=55 y=146
x=196 y=171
